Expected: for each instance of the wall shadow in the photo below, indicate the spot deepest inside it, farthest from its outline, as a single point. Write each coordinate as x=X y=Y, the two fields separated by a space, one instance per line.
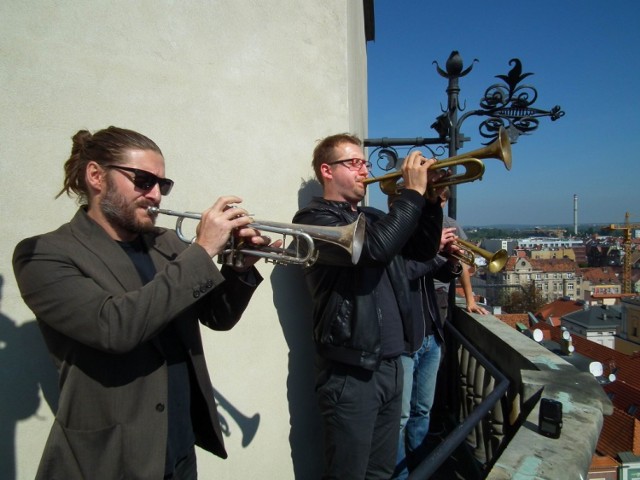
x=248 y=425
x=25 y=370
x=293 y=305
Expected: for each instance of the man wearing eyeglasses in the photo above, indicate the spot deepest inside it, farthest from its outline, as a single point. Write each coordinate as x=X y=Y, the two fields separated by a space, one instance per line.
x=119 y=302
x=361 y=313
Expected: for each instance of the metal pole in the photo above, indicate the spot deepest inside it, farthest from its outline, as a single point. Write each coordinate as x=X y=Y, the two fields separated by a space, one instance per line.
x=453 y=91
x=454 y=70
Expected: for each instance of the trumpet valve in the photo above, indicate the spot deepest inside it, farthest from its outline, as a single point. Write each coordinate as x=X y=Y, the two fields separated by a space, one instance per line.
x=389 y=186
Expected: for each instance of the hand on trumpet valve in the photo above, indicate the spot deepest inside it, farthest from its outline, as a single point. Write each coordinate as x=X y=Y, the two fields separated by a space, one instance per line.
x=434 y=192
x=248 y=238
x=448 y=246
x=219 y=222
x=448 y=236
x=415 y=171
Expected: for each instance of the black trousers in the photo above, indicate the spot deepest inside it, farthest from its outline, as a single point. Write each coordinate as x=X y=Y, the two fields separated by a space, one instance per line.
x=361 y=413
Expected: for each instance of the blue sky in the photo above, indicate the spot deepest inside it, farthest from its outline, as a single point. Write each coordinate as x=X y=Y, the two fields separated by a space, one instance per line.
x=583 y=56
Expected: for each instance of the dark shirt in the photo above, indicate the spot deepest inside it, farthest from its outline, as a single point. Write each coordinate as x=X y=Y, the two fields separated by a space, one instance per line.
x=429 y=310
x=391 y=330
x=180 y=436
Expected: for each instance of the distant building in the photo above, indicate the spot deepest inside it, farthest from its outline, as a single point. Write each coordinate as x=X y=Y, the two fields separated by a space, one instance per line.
x=580 y=252
x=635 y=282
x=548 y=253
x=599 y=324
x=555 y=278
x=600 y=285
x=631 y=319
x=495 y=244
x=603 y=251
x=549 y=242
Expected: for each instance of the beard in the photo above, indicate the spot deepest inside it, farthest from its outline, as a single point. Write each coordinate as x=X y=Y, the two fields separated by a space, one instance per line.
x=122 y=214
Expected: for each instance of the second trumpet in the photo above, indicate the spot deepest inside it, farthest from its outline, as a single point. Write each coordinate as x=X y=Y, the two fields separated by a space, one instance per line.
x=349 y=237
x=473 y=166
x=495 y=261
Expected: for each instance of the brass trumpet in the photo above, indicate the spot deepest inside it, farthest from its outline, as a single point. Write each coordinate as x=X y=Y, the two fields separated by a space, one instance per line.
x=350 y=237
x=495 y=261
x=474 y=168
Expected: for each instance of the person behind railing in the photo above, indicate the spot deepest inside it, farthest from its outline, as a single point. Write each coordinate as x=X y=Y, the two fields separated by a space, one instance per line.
x=442 y=288
x=421 y=367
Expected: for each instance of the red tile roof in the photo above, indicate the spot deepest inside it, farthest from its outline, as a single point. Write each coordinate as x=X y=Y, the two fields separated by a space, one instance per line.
x=557 y=309
x=627 y=366
x=599 y=275
x=620 y=433
x=624 y=396
x=544 y=264
x=600 y=462
x=512 y=319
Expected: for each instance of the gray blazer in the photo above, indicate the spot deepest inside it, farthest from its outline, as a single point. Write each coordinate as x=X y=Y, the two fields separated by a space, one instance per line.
x=100 y=325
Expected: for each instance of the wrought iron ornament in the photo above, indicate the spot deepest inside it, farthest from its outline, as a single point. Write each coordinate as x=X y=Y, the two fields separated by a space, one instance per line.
x=511 y=106
x=507 y=105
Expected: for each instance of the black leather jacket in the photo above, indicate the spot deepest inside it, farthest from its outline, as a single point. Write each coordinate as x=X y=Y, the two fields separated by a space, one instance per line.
x=346 y=314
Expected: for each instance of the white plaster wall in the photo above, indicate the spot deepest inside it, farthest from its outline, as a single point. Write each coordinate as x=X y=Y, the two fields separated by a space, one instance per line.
x=235 y=93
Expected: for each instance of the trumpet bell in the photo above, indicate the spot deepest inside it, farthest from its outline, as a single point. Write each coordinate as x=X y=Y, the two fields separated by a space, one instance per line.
x=495 y=261
x=350 y=237
x=502 y=148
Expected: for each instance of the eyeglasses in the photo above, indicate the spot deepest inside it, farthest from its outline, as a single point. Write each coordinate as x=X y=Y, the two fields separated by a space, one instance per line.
x=353 y=163
x=146 y=180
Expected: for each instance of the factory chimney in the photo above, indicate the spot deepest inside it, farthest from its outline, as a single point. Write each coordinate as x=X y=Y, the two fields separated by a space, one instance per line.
x=575 y=214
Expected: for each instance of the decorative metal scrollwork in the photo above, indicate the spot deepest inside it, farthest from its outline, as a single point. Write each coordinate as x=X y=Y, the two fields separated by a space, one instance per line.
x=510 y=106
x=507 y=105
x=387 y=158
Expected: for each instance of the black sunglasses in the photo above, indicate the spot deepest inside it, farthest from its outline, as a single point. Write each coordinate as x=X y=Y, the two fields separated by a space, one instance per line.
x=146 y=180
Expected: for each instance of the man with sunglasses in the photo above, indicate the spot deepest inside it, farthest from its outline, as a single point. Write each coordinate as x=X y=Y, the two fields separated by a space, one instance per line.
x=362 y=320
x=119 y=302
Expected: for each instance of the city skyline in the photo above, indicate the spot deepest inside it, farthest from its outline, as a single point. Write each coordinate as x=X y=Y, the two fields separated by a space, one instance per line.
x=581 y=57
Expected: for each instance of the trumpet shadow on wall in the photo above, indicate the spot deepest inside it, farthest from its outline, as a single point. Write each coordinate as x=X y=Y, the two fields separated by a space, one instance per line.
x=248 y=425
x=293 y=304
x=25 y=370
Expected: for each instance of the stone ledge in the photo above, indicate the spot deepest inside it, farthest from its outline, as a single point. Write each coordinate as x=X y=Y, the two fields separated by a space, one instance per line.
x=540 y=373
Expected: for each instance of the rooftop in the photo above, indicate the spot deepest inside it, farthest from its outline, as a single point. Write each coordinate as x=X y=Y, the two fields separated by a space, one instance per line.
x=596 y=317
